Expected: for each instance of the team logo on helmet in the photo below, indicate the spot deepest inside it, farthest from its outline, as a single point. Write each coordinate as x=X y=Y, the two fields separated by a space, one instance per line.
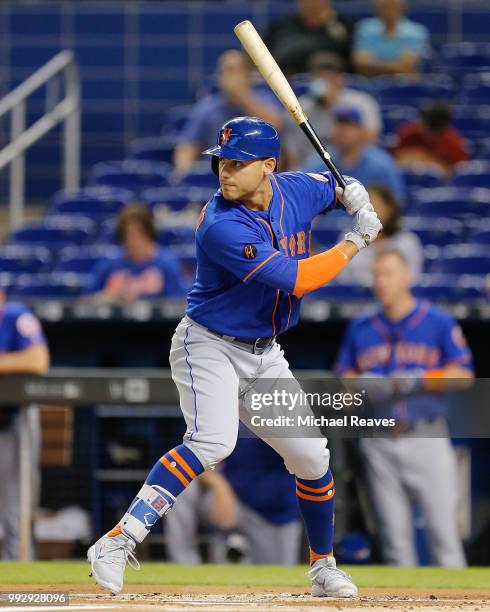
x=225 y=135
x=250 y=251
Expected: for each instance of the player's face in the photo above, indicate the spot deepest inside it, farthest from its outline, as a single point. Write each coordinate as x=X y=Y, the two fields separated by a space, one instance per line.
x=391 y=279
x=347 y=135
x=135 y=242
x=390 y=10
x=239 y=179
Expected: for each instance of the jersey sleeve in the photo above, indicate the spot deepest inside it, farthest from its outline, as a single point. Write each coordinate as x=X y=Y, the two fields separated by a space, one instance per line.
x=27 y=330
x=321 y=188
x=241 y=250
x=347 y=356
x=454 y=347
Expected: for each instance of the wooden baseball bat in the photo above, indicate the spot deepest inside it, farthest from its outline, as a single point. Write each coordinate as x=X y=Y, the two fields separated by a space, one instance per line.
x=273 y=75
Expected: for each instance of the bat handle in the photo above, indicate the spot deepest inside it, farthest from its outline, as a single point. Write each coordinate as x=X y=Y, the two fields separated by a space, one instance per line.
x=322 y=152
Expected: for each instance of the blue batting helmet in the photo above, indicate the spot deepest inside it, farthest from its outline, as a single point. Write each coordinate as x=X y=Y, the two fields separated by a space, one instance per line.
x=244 y=138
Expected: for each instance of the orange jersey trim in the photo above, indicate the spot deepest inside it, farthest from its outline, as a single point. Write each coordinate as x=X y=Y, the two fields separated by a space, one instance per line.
x=290 y=309
x=316 y=498
x=274 y=313
x=183 y=463
x=304 y=487
x=259 y=266
x=314 y=272
x=282 y=203
x=174 y=471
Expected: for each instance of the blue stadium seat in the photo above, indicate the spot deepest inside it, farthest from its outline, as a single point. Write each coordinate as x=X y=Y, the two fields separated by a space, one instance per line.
x=446 y=201
x=476 y=88
x=360 y=83
x=464 y=259
x=301 y=84
x=450 y=293
x=422 y=176
x=200 y=175
x=441 y=231
x=465 y=56
x=182 y=234
x=337 y=291
x=159 y=149
x=19 y=258
x=98 y=200
x=131 y=174
x=175 y=119
x=394 y=116
x=55 y=285
x=84 y=259
x=413 y=92
x=472 y=121
x=481 y=237
x=472 y=174
x=56 y=232
x=175 y=198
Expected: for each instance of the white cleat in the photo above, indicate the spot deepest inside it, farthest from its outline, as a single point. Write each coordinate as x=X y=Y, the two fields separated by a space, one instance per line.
x=108 y=558
x=328 y=581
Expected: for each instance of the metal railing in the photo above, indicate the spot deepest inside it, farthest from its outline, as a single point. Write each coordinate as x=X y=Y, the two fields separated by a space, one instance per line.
x=66 y=110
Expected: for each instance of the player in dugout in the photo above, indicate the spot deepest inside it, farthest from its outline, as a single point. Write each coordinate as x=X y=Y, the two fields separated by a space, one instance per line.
x=254 y=266
x=406 y=341
x=23 y=350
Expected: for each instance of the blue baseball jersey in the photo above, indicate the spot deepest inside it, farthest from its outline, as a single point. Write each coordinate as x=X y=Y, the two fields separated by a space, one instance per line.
x=19 y=329
x=428 y=338
x=247 y=259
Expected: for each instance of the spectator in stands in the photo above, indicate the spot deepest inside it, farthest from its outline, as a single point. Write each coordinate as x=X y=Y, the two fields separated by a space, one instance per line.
x=252 y=495
x=144 y=270
x=389 y=43
x=314 y=27
x=403 y=349
x=432 y=140
x=236 y=96
x=392 y=237
x=23 y=350
x=357 y=157
x=327 y=90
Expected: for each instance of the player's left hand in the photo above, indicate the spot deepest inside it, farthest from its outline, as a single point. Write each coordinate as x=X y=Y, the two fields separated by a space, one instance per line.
x=365 y=228
x=354 y=196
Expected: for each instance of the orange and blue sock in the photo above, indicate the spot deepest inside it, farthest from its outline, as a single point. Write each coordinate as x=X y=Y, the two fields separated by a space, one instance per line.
x=316 y=503
x=170 y=475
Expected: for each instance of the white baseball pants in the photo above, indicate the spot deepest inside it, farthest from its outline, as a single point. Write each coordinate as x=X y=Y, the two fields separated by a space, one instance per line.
x=207 y=371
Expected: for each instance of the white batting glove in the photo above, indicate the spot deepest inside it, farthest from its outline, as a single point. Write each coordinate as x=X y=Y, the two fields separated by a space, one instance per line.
x=365 y=228
x=354 y=196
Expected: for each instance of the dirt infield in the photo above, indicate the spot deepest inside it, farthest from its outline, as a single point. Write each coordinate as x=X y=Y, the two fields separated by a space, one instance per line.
x=168 y=598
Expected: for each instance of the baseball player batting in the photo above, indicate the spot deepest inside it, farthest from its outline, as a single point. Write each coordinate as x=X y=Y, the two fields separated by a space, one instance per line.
x=253 y=244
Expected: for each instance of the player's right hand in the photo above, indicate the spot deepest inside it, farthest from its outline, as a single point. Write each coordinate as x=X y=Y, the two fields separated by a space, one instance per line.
x=354 y=196
x=365 y=228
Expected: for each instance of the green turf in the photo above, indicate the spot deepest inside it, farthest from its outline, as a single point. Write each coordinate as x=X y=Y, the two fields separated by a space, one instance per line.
x=49 y=572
